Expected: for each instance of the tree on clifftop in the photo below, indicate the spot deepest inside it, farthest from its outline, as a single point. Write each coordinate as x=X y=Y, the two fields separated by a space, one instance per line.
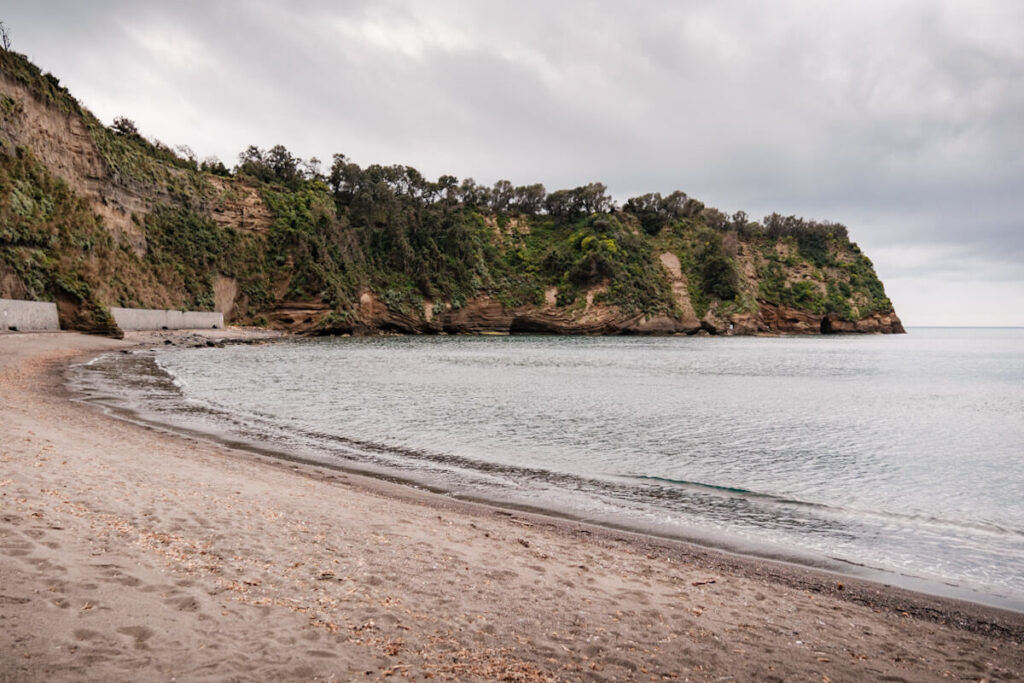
x=125 y=126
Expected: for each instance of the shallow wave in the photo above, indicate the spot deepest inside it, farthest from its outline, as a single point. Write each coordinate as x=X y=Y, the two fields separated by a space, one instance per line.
x=983 y=527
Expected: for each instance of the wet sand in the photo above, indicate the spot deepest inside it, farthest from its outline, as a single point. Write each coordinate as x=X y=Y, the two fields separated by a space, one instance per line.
x=129 y=553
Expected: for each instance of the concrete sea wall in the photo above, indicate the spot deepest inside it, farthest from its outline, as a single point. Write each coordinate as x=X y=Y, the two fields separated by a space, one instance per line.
x=28 y=316
x=154 y=319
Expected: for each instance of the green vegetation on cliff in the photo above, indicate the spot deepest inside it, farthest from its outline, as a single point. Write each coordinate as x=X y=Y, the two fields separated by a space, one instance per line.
x=50 y=240
x=284 y=232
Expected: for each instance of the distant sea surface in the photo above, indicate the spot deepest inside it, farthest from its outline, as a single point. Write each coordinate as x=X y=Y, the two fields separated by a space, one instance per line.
x=900 y=458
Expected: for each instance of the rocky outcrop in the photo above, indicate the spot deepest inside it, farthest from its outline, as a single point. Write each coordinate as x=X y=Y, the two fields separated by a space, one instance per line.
x=484 y=315
x=785 y=320
x=238 y=206
x=86 y=316
x=876 y=323
x=300 y=317
x=774 y=319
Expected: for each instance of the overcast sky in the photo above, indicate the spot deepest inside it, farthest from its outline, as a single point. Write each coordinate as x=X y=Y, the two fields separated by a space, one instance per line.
x=903 y=120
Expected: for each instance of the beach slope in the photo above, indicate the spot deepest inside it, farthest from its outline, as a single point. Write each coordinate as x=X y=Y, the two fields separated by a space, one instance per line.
x=129 y=553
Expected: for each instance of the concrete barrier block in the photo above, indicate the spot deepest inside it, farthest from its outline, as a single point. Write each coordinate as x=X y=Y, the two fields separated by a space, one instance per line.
x=28 y=316
x=156 y=319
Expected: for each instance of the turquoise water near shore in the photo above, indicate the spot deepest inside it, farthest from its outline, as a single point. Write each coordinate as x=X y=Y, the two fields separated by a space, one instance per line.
x=896 y=457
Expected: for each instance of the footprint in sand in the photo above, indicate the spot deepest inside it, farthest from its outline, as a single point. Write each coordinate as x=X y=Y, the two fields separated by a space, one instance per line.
x=15 y=548
x=12 y=600
x=86 y=634
x=43 y=565
x=186 y=604
x=140 y=634
x=111 y=573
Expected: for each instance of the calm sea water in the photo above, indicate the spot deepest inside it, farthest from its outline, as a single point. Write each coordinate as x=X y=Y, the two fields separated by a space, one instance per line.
x=897 y=457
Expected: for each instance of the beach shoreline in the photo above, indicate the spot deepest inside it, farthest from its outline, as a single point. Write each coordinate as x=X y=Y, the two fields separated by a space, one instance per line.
x=675 y=609
x=832 y=570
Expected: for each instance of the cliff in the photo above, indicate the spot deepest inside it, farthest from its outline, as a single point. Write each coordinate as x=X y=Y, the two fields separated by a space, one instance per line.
x=93 y=217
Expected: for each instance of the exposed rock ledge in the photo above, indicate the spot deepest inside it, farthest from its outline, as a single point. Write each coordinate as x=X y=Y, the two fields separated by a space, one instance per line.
x=487 y=316
x=884 y=323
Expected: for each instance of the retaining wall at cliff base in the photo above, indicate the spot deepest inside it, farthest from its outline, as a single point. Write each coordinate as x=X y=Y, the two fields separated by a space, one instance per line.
x=155 y=319
x=28 y=316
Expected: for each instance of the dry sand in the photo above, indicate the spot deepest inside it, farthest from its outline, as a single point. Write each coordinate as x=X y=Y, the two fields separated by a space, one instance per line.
x=128 y=553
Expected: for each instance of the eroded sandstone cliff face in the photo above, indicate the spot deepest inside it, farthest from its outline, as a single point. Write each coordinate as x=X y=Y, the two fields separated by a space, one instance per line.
x=485 y=316
x=71 y=185
x=61 y=140
x=93 y=217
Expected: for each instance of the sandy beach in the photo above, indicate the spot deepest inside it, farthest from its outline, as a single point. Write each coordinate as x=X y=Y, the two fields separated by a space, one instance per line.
x=129 y=553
